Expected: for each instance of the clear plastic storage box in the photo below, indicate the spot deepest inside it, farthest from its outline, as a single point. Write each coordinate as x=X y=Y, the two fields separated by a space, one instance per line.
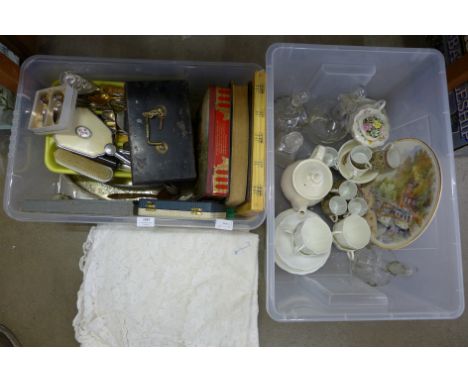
x=31 y=188
x=413 y=82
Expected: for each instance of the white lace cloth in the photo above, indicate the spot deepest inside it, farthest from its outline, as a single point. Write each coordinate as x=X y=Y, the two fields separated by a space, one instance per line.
x=168 y=287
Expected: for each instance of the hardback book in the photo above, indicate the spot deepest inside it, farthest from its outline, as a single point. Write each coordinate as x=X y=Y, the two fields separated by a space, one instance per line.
x=256 y=186
x=240 y=131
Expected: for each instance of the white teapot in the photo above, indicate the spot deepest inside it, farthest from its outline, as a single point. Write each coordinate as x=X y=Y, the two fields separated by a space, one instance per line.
x=306 y=182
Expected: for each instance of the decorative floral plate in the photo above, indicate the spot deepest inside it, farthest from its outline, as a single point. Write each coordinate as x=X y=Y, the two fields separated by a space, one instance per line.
x=403 y=202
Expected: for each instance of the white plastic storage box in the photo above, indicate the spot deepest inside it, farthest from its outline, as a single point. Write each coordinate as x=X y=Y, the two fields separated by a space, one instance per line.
x=30 y=187
x=413 y=82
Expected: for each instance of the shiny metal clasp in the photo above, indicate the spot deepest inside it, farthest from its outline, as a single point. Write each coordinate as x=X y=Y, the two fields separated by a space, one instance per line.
x=161 y=113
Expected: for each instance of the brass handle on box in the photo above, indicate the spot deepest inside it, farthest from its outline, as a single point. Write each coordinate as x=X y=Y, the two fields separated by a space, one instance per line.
x=161 y=113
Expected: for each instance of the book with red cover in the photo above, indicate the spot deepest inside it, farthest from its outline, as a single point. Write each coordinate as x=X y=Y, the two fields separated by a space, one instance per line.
x=214 y=143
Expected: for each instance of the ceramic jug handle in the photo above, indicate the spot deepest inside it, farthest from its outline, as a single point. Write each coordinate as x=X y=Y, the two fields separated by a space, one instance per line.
x=319 y=152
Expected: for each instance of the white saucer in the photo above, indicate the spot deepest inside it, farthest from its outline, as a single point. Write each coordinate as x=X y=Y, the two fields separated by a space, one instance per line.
x=345 y=149
x=280 y=263
x=286 y=259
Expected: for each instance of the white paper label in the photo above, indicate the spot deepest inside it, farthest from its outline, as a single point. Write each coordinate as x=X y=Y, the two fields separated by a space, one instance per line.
x=145 y=221
x=224 y=224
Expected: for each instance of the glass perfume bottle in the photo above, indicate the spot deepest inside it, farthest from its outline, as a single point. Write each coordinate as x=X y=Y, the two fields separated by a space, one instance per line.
x=290 y=113
x=287 y=148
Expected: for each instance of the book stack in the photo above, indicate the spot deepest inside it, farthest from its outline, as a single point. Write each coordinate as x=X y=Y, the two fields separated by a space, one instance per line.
x=232 y=143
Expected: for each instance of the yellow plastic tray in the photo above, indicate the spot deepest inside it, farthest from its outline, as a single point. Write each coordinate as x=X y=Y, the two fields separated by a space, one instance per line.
x=53 y=166
x=50 y=147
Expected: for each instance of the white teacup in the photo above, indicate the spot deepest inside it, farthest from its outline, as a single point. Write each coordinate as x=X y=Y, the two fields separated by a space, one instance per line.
x=346 y=189
x=369 y=124
x=357 y=206
x=312 y=237
x=358 y=161
x=334 y=207
x=305 y=183
x=386 y=159
x=351 y=234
